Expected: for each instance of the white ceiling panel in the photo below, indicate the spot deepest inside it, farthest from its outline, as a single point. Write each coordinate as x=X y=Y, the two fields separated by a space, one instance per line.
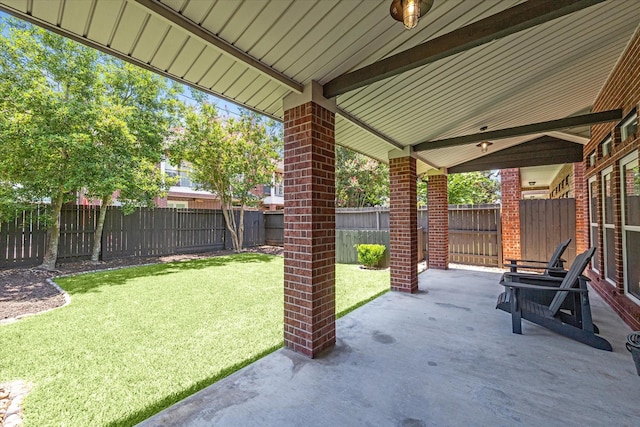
x=201 y=65
x=196 y=11
x=154 y=32
x=186 y=57
x=49 y=11
x=171 y=46
x=76 y=15
x=104 y=20
x=128 y=30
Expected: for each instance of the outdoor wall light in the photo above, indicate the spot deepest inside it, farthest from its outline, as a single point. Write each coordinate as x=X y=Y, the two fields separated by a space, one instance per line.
x=484 y=146
x=409 y=11
x=532 y=183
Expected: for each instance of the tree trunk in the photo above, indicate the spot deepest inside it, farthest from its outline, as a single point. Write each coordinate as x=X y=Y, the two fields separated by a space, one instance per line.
x=230 y=220
x=241 y=229
x=97 y=235
x=53 y=233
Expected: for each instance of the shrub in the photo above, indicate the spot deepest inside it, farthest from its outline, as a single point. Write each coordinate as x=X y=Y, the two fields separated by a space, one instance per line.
x=370 y=255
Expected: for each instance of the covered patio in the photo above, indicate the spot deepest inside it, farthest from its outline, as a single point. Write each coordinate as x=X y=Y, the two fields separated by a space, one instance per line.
x=472 y=80
x=519 y=76
x=442 y=356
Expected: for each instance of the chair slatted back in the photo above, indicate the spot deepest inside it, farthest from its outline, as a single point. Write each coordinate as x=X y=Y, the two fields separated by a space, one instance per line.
x=557 y=254
x=571 y=279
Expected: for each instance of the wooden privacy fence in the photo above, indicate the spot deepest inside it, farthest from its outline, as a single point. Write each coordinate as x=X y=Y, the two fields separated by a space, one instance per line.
x=474 y=232
x=546 y=223
x=145 y=232
x=475 y=236
x=274 y=228
x=370 y=219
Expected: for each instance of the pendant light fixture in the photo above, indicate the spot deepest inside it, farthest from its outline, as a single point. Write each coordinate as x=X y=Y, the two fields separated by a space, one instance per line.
x=484 y=146
x=409 y=11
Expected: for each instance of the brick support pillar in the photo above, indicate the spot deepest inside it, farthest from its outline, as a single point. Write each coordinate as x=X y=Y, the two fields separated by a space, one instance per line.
x=309 y=233
x=403 y=224
x=510 y=187
x=438 y=216
x=581 y=196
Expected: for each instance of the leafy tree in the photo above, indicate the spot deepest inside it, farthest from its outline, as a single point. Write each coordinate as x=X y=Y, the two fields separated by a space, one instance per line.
x=228 y=157
x=360 y=180
x=71 y=119
x=129 y=143
x=49 y=90
x=470 y=188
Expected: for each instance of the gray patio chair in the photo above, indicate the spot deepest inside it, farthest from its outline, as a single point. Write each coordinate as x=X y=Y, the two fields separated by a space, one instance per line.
x=576 y=324
x=555 y=265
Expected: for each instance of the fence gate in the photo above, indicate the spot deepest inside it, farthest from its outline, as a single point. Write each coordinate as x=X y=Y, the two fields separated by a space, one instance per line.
x=544 y=224
x=474 y=235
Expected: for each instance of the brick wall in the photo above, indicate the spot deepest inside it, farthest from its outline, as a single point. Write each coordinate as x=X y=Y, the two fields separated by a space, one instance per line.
x=437 y=202
x=622 y=90
x=403 y=224
x=510 y=192
x=309 y=235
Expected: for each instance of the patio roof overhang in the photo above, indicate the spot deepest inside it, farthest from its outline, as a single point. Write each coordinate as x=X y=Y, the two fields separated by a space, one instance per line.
x=544 y=66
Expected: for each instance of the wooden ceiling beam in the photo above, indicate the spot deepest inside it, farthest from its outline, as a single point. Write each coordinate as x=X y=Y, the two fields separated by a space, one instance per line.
x=502 y=24
x=541 y=151
x=542 y=127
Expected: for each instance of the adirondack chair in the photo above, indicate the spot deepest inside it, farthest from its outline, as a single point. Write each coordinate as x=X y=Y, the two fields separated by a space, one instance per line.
x=555 y=265
x=576 y=324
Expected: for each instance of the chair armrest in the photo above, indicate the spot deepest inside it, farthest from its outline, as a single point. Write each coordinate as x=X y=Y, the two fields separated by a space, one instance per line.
x=541 y=288
x=531 y=267
x=522 y=278
x=511 y=261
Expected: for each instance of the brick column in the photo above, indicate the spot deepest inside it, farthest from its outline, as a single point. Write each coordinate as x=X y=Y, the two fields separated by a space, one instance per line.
x=403 y=224
x=309 y=228
x=581 y=195
x=438 y=216
x=510 y=189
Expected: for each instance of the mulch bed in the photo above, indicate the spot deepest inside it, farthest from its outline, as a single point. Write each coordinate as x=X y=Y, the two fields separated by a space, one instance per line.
x=26 y=291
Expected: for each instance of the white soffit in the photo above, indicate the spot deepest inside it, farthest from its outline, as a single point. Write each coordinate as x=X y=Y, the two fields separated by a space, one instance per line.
x=547 y=72
x=541 y=175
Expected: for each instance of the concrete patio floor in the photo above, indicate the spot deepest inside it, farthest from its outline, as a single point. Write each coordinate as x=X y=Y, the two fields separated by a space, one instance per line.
x=442 y=357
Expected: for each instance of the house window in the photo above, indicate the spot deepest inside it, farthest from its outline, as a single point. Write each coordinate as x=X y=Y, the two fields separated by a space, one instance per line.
x=266 y=190
x=278 y=190
x=629 y=126
x=608 y=230
x=593 y=220
x=606 y=147
x=592 y=159
x=630 y=184
x=177 y=204
x=182 y=175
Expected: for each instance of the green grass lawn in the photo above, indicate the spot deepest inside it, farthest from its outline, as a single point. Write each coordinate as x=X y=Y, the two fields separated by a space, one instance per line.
x=133 y=341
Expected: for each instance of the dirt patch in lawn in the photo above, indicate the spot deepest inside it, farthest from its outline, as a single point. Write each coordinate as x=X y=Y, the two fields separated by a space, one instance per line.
x=25 y=291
